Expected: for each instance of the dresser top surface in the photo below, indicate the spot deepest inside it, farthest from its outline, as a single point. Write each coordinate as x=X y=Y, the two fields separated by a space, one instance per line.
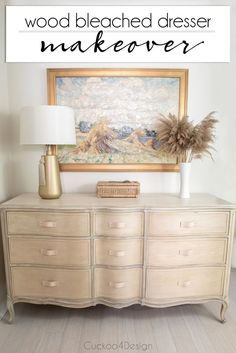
x=144 y=201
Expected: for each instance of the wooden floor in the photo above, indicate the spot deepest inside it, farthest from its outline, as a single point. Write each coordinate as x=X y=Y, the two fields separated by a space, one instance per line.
x=183 y=329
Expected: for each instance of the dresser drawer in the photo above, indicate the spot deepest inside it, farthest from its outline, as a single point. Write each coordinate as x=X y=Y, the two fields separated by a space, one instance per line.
x=51 y=283
x=186 y=252
x=121 y=224
x=49 y=251
x=46 y=223
x=118 y=252
x=177 y=223
x=118 y=284
x=186 y=282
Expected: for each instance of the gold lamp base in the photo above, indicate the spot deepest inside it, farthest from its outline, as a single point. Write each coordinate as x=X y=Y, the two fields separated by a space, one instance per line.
x=49 y=176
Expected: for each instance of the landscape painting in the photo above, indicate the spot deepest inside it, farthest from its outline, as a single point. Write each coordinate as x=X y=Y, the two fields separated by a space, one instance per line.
x=116 y=119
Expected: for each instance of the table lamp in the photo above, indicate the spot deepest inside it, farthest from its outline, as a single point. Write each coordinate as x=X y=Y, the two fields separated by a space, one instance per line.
x=48 y=125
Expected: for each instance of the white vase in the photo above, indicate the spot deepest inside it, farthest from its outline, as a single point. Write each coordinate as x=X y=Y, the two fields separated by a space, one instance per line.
x=185 y=169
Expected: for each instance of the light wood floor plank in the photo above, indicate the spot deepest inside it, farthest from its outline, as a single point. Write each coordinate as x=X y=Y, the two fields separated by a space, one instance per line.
x=179 y=331
x=73 y=331
x=53 y=333
x=217 y=333
x=144 y=329
x=161 y=332
x=196 y=329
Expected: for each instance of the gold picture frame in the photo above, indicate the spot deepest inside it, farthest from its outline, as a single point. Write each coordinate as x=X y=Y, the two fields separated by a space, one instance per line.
x=60 y=82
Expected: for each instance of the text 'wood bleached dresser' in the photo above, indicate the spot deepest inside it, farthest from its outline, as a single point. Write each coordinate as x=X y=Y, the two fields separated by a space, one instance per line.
x=79 y=251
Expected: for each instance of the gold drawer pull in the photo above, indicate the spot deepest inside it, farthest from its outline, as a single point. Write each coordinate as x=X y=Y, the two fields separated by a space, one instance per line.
x=50 y=284
x=190 y=224
x=49 y=252
x=187 y=252
x=48 y=224
x=117 y=284
x=116 y=253
x=116 y=225
x=184 y=284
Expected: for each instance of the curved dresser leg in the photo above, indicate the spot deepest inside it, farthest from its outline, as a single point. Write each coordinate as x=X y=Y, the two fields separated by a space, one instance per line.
x=224 y=307
x=11 y=311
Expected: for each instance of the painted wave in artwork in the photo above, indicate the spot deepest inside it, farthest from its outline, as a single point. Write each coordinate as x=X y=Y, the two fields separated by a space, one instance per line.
x=116 y=118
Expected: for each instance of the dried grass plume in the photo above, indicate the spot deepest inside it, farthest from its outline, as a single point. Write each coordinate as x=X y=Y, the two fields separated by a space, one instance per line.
x=183 y=139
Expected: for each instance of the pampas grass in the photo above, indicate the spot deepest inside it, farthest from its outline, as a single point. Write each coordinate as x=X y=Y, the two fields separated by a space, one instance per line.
x=183 y=139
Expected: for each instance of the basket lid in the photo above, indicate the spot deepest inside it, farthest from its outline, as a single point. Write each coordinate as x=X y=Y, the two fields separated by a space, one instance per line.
x=118 y=183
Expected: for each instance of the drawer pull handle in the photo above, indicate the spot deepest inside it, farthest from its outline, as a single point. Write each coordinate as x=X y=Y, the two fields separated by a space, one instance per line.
x=116 y=225
x=48 y=224
x=190 y=224
x=116 y=253
x=184 y=284
x=50 y=284
x=48 y=252
x=117 y=284
x=187 y=252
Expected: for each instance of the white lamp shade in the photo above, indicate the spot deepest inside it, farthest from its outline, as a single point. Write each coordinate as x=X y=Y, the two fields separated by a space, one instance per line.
x=47 y=125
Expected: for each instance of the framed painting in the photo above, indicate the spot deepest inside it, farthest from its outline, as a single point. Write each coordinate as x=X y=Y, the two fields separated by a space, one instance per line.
x=116 y=115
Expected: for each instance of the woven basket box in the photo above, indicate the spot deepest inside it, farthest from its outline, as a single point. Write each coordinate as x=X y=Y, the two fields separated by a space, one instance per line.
x=118 y=189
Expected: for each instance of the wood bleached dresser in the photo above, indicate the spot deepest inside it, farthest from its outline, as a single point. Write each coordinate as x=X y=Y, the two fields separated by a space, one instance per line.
x=79 y=251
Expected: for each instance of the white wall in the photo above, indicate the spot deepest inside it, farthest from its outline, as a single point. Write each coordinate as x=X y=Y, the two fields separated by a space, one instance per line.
x=27 y=85
x=4 y=149
x=211 y=87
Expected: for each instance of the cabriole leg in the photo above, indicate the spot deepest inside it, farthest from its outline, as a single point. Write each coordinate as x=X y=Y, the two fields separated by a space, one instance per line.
x=224 y=307
x=11 y=311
